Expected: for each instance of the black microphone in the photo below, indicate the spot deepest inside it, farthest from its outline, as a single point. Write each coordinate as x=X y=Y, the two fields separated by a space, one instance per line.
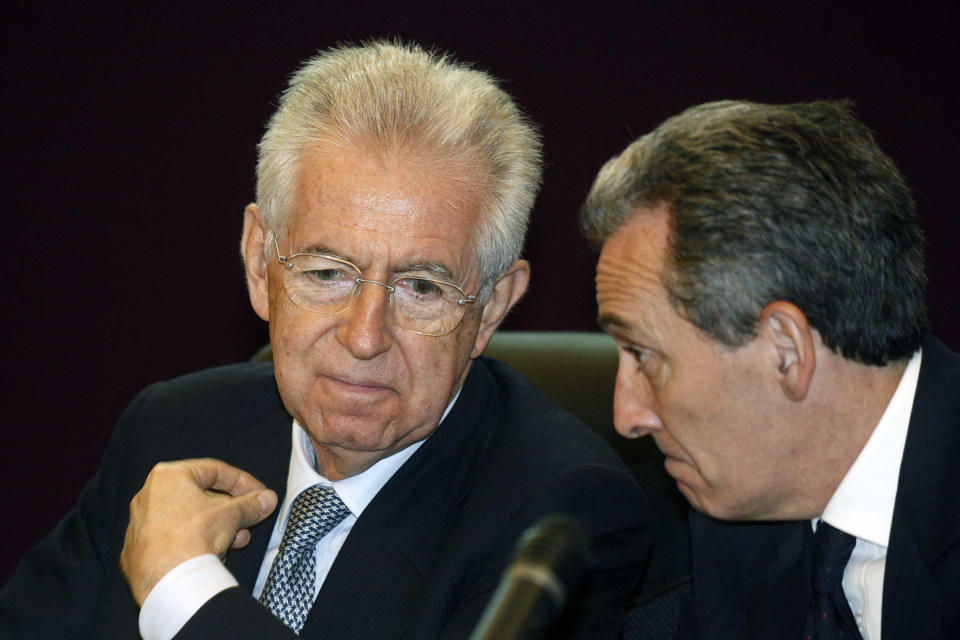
x=551 y=559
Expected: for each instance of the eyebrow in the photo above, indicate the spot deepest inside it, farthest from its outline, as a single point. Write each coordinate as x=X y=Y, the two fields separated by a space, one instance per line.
x=608 y=321
x=437 y=269
x=621 y=329
x=320 y=250
x=433 y=268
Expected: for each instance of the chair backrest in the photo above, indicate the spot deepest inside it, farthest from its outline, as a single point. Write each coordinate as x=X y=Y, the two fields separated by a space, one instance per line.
x=575 y=368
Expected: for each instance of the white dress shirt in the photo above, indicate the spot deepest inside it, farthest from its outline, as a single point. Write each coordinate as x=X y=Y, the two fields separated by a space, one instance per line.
x=180 y=593
x=863 y=504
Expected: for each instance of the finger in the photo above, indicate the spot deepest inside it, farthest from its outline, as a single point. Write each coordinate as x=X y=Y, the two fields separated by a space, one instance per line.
x=217 y=475
x=241 y=540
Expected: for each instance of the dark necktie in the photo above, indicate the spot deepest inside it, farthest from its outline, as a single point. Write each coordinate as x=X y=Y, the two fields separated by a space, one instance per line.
x=829 y=616
x=288 y=592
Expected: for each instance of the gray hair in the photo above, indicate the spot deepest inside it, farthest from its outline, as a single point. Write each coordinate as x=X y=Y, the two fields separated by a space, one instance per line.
x=777 y=202
x=386 y=96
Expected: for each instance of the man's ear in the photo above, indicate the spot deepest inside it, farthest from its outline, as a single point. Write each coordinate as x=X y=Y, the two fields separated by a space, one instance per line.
x=254 y=260
x=792 y=347
x=506 y=292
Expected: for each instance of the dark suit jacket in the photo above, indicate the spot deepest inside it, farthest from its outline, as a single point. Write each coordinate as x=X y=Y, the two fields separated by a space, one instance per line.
x=752 y=580
x=422 y=560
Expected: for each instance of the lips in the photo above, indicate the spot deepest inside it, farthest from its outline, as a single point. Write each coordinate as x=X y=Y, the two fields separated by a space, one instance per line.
x=358 y=385
x=666 y=447
x=674 y=463
x=671 y=465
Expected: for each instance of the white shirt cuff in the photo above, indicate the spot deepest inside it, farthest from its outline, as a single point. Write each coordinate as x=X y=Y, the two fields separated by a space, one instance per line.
x=180 y=593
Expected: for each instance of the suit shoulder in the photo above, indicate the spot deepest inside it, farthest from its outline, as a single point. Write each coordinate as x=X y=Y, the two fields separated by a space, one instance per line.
x=229 y=380
x=228 y=395
x=541 y=459
x=226 y=385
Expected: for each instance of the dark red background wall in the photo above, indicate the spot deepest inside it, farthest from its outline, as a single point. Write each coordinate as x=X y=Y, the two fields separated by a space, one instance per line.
x=128 y=138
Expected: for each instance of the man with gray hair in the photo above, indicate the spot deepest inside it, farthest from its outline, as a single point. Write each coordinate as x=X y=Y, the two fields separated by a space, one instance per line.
x=762 y=275
x=372 y=481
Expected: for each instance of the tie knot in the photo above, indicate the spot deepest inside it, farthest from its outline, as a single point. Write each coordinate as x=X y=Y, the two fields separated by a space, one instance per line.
x=831 y=551
x=313 y=514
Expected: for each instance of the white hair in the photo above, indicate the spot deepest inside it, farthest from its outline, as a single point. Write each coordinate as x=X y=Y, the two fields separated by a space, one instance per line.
x=386 y=96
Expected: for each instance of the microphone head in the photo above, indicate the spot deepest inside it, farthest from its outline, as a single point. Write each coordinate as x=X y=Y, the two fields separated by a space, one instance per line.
x=551 y=559
x=556 y=544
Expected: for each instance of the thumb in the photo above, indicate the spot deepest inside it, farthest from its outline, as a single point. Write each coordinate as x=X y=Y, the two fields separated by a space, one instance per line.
x=255 y=506
x=250 y=508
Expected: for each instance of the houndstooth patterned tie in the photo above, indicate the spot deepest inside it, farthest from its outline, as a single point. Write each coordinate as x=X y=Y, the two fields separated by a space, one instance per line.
x=288 y=592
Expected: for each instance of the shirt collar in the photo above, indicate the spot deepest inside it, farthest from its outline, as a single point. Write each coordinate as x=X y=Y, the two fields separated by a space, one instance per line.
x=863 y=503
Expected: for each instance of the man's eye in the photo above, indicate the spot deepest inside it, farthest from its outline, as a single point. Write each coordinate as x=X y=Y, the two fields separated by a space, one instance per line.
x=324 y=275
x=641 y=356
x=421 y=287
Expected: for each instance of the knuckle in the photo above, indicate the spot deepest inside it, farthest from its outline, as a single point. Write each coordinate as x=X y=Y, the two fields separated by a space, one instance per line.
x=161 y=469
x=136 y=500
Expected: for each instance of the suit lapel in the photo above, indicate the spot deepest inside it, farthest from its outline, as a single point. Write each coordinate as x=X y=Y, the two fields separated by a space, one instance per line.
x=263 y=450
x=912 y=605
x=779 y=592
x=718 y=587
x=926 y=518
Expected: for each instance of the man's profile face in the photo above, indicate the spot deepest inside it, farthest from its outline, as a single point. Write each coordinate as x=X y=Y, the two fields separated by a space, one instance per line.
x=703 y=403
x=353 y=379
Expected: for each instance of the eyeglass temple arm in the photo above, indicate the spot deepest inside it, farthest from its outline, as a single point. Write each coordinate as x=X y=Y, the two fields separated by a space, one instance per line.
x=280 y=258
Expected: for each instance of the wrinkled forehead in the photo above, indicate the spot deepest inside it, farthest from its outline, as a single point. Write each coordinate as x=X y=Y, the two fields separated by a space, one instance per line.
x=359 y=205
x=629 y=274
x=643 y=238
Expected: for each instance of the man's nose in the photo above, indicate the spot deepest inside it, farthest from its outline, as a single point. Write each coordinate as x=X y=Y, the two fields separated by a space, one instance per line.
x=364 y=330
x=634 y=403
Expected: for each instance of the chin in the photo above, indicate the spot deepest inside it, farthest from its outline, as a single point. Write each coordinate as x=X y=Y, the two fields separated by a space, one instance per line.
x=691 y=497
x=700 y=502
x=351 y=432
x=735 y=512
